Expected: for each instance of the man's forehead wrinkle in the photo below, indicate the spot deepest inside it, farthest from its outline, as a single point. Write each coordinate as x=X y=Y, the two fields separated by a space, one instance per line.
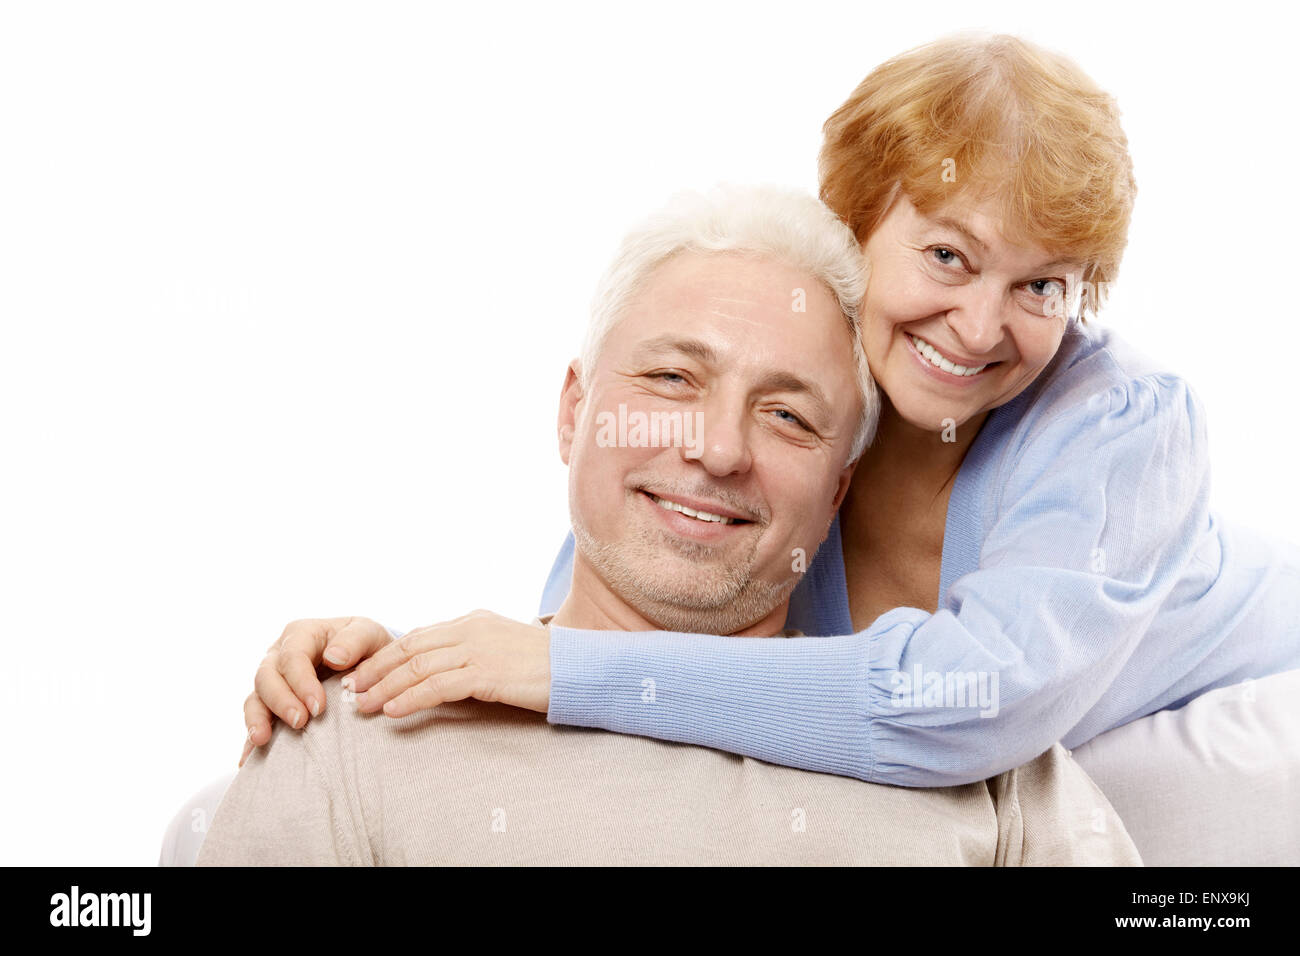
x=718 y=349
x=733 y=310
x=692 y=296
x=717 y=310
x=742 y=301
x=732 y=317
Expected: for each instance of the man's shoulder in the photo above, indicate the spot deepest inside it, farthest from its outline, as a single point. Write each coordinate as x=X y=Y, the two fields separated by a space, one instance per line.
x=349 y=755
x=344 y=725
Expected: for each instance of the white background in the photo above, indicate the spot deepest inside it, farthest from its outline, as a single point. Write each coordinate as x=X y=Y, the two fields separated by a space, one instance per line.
x=288 y=290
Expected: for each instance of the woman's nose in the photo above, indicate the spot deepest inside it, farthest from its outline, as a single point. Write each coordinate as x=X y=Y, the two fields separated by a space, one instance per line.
x=977 y=320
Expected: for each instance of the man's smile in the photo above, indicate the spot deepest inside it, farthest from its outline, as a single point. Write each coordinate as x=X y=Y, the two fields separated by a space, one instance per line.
x=700 y=520
x=694 y=508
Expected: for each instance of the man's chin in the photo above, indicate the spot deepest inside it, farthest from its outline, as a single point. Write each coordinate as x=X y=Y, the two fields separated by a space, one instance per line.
x=679 y=594
x=683 y=585
x=698 y=612
x=654 y=546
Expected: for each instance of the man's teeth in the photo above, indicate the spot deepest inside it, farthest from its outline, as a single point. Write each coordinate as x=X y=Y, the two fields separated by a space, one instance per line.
x=938 y=361
x=690 y=512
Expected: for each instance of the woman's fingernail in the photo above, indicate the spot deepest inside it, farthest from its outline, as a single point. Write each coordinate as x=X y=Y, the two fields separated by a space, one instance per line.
x=349 y=683
x=335 y=655
x=314 y=704
x=251 y=731
x=294 y=717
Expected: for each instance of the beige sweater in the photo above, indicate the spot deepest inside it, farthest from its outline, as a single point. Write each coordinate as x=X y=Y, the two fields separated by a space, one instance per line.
x=475 y=783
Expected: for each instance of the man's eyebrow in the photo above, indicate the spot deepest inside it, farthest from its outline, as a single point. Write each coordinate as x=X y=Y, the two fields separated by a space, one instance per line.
x=780 y=381
x=668 y=344
x=775 y=381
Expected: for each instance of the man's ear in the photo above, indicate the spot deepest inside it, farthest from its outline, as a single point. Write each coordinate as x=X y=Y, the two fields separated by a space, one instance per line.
x=841 y=489
x=570 y=397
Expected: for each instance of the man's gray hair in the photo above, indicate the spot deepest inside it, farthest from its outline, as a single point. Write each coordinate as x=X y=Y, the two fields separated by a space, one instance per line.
x=784 y=224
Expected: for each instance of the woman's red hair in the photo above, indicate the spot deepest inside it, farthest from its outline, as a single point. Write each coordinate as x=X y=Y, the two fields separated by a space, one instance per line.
x=980 y=117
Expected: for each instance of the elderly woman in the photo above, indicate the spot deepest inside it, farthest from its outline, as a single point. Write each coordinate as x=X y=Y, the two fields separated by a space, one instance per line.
x=1026 y=553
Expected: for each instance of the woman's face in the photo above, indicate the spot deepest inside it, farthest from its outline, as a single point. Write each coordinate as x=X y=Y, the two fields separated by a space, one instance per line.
x=951 y=280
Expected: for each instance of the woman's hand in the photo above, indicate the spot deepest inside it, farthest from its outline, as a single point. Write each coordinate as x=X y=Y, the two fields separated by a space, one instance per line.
x=481 y=655
x=286 y=685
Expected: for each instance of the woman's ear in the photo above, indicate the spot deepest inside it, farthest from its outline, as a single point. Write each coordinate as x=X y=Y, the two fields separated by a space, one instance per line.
x=570 y=397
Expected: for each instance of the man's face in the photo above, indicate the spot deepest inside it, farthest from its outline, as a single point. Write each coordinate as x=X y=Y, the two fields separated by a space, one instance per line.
x=728 y=389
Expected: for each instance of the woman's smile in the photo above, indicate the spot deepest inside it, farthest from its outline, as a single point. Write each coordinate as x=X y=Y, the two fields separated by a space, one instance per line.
x=946 y=360
x=934 y=364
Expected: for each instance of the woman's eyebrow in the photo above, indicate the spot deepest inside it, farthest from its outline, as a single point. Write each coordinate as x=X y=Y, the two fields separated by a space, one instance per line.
x=1054 y=263
x=947 y=222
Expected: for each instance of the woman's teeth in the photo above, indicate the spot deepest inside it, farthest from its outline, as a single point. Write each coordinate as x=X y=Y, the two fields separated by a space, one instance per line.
x=689 y=512
x=938 y=361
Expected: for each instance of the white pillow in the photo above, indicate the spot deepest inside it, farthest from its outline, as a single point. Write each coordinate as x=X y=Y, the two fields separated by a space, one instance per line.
x=1214 y=783
x=185 y=833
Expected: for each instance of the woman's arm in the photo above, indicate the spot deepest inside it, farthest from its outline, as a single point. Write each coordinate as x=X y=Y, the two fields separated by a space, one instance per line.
x=1100 y=510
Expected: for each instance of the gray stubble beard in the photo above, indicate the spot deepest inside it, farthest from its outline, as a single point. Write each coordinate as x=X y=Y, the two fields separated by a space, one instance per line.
x=737 y=602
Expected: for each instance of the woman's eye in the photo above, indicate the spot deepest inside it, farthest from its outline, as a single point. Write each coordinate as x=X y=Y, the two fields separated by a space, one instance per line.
x=940 y=252
x=672 y=378
x=1047 y=287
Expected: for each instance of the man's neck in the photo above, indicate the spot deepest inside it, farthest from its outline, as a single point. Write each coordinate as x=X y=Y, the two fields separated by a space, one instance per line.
x=592 y=605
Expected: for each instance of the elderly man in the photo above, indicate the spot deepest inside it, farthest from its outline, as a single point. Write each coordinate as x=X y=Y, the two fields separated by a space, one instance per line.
x=710 y=429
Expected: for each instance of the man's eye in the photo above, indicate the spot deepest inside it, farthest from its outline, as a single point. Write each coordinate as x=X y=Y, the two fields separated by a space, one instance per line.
x=672 y=378
x=788 y=416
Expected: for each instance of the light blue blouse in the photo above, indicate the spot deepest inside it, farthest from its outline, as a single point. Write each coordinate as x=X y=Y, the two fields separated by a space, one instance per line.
x=1085 y=583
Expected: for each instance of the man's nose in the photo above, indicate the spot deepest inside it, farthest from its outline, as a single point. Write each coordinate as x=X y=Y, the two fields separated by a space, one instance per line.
x=722 y=444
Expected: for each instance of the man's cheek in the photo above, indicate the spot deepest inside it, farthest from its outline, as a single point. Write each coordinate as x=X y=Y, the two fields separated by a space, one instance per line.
x=600 y=486
x=797 y=525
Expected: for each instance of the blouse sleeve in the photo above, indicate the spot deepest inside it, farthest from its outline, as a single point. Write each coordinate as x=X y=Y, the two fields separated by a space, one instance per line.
x=1099 y=508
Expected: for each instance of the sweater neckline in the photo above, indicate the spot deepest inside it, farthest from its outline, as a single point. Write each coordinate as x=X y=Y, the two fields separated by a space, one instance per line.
x=963 y=528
